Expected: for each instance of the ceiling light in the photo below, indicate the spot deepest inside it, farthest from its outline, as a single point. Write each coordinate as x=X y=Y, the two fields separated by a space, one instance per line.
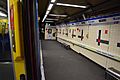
x=50 y=7
x=57 y=15
x=2 y=14
x=53 y=1
x=47 y=12
x=71 y=5
x=51 y=19
x=44 y=18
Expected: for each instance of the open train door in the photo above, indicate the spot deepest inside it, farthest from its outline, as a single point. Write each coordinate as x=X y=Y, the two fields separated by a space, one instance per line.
x=24 y=37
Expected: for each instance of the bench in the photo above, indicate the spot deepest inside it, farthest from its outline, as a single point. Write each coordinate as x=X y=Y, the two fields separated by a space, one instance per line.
x=112 y=74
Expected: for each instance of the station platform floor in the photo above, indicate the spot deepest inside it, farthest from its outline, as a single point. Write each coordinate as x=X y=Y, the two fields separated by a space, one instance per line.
x=63 y=64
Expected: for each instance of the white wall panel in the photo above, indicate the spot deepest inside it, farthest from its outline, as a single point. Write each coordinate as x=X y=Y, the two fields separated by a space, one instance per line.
x=110 y=36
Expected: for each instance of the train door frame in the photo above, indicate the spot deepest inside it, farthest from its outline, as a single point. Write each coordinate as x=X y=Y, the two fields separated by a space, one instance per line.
x=30 y=39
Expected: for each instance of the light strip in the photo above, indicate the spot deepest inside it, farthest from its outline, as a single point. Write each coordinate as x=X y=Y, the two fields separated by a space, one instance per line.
x=53 y=1
x=70 y=5
x=57 y=15
x=50 y=7
x=47 y=12
x=2 y=14
x=44 y=18
x=51 y=19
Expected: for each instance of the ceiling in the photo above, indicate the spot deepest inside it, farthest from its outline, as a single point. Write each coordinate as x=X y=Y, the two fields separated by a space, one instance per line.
x=94 y=8
x=3 y=6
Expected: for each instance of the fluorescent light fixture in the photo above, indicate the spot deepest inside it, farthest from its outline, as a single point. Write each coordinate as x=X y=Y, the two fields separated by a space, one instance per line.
x=51 y=19
x=47 y=12
x=70 y=5
x=50 y=7
x=2 y=14
x=57 y=15
x=44 y=18
x=53 y=1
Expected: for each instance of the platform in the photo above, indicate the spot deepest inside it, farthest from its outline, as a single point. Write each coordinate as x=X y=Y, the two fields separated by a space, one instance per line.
x=63 y=64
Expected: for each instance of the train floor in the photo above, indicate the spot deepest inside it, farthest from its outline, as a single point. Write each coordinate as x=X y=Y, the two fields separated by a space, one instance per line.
x=63 y=64
x=6 y=71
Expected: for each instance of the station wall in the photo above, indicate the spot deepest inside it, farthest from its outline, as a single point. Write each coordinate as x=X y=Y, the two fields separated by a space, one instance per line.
x=98 y=39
